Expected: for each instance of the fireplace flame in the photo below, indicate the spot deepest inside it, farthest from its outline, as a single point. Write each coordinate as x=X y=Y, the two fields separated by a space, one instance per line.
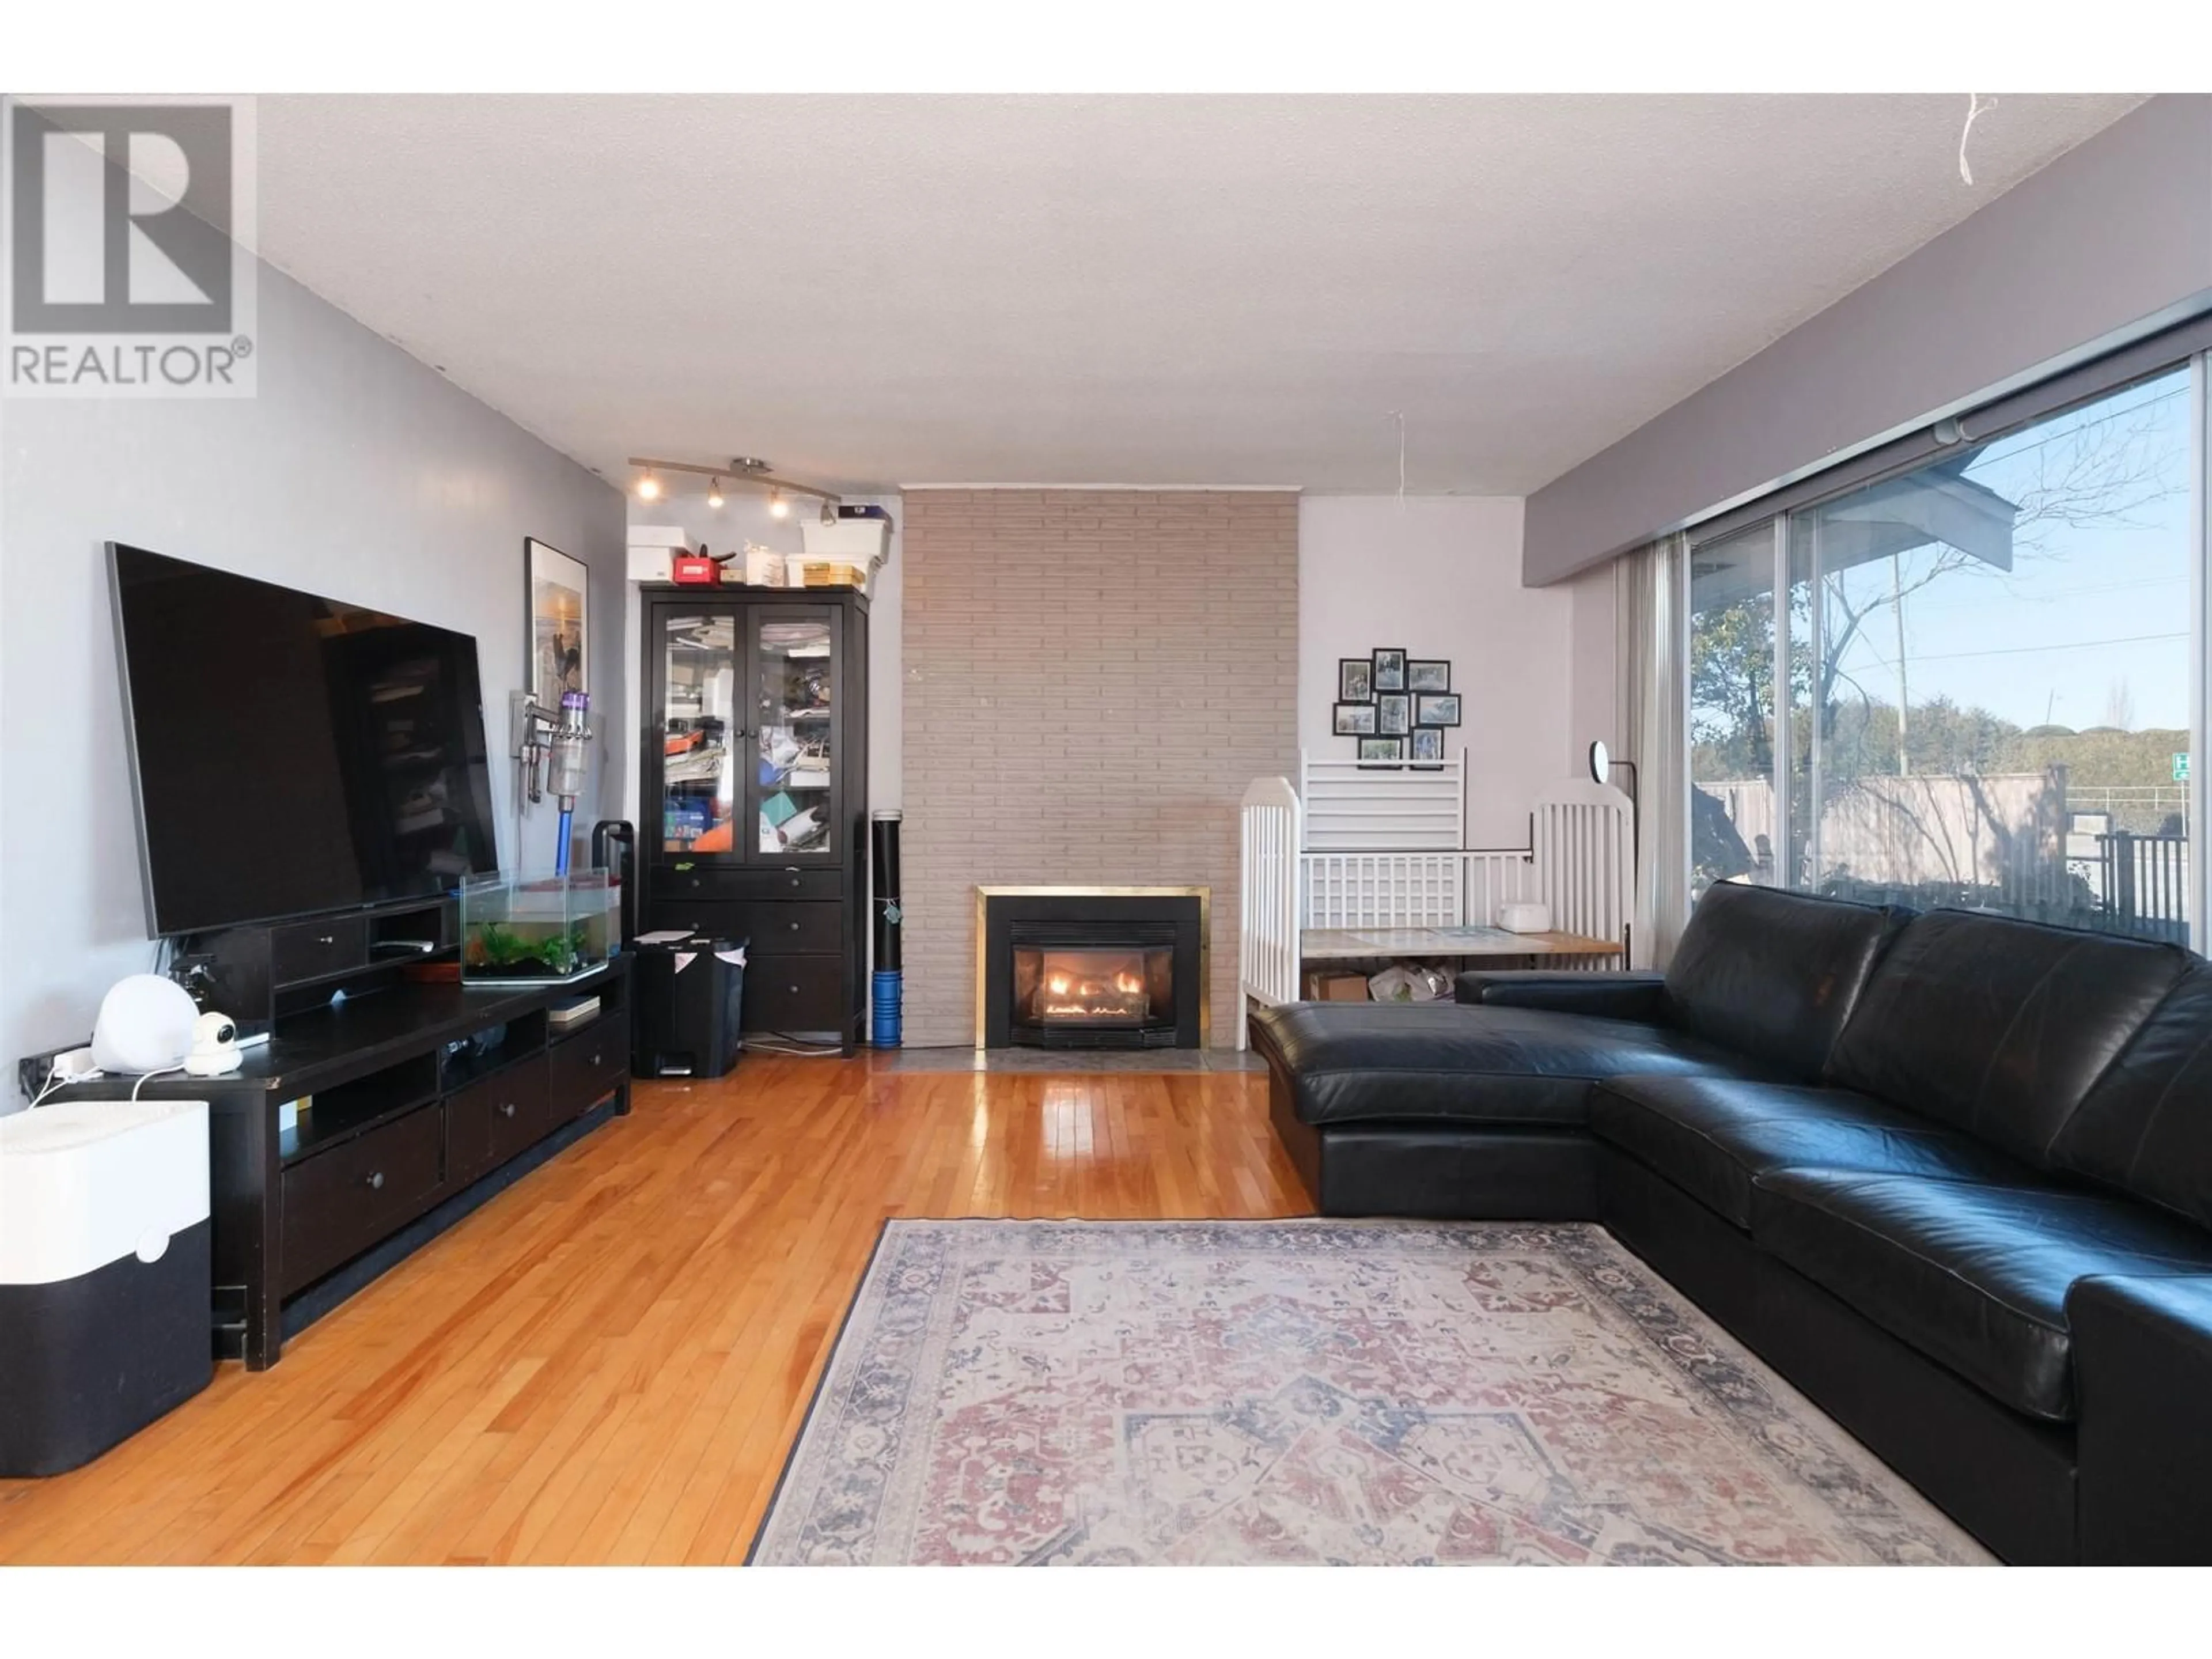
x=1092 y=986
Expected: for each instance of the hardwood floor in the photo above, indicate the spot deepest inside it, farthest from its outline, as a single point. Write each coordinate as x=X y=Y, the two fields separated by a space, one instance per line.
x=608 y=1362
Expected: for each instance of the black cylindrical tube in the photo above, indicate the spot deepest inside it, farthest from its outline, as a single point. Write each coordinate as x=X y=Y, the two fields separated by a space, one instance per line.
x=618 y=831
x=885 y=855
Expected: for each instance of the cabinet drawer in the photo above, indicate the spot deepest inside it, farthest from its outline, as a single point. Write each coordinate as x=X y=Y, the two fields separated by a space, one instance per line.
x=793 y=929
x=795 y=993
x=489 y=1121
x=339 y=1202
x=703 y=881
x=308 y=950
x=586 y=1068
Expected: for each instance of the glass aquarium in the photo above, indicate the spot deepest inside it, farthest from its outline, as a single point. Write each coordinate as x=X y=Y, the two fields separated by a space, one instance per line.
x=535 y=930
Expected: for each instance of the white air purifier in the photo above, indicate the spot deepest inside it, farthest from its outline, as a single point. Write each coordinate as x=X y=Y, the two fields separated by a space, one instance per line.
x=105 y=1278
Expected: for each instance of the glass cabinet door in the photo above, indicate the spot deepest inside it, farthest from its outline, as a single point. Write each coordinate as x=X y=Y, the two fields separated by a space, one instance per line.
x=793 y=769
x=702 y=736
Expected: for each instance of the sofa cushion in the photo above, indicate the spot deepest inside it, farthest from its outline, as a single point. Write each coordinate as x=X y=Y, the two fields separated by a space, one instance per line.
x=2147 y=1126
x=1972 y=1276
x=1774 y=974
x=1396 y=1062
x=1637 y=994
x=1712 y=1135
x=1999 y=1027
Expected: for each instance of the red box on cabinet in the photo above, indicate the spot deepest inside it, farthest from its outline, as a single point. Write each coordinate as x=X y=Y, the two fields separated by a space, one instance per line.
x=694 y=568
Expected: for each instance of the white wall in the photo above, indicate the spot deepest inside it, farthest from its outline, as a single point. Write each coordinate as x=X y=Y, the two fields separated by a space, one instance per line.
x=1594 y=701
x=1441 y=577
x=357 y=472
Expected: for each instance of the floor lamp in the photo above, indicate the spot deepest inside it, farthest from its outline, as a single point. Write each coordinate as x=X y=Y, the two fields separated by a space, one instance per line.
x=1603 y=766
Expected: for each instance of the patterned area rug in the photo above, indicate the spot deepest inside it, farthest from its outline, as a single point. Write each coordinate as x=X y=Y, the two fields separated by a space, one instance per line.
x=1311 y=1391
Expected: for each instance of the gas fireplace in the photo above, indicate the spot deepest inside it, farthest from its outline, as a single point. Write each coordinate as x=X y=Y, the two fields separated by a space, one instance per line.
x=1090 y=967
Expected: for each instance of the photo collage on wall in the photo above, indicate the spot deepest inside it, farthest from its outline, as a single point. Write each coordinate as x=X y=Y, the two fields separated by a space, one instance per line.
x=1395 y=708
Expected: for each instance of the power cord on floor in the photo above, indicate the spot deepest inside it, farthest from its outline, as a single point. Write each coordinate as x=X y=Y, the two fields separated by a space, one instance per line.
x=782 y=1042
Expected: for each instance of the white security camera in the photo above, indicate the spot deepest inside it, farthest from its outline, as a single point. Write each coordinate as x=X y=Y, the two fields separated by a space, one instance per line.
x=214 y=1047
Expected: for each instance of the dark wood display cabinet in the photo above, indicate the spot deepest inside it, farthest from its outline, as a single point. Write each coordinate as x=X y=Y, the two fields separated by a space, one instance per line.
x=754 y=821
x=369 y=1124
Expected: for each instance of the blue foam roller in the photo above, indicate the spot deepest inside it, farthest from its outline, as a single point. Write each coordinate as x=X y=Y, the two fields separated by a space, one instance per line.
x=883 y=1029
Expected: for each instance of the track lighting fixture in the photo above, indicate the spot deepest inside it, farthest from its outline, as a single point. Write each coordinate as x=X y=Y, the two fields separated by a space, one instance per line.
x=744 y=472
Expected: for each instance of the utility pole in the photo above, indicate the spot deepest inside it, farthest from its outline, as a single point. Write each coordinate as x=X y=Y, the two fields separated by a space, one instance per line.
x=1897 y=599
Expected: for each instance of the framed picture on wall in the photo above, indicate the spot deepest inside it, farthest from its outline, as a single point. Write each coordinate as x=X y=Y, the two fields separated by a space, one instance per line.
x=1355 y=719
x=559 y=589
x=1393 y=713
x=1378 y=750
x=1428 y=676
x=1355 y=680
x=1427 y=743
x=1390 y=668
x=1436 y=708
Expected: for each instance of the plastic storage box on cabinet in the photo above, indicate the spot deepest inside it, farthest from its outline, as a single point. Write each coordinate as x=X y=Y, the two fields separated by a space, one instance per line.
x=105 y=1285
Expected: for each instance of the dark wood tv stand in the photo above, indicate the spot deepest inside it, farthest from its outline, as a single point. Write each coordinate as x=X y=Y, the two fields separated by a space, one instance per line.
x=402 y=1137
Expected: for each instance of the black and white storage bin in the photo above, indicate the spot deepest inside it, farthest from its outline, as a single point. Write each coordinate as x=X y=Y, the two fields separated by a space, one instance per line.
x=689 y=995
x=105 y=1285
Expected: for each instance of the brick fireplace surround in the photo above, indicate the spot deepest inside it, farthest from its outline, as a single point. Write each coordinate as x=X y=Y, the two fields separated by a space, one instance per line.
x=1092 y=676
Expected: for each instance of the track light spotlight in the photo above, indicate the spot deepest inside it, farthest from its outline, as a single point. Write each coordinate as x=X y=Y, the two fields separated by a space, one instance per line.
x=648 y=487
x=714 y=492
x=777 y=506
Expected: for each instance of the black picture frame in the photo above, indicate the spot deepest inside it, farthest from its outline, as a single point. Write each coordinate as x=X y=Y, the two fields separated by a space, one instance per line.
x=1355 y=679
x=1427 y=674
x=1429 y=708
x=1390 y=668
x=1425 y=738
x=1393 y=713
x=1382 y=754
x=1346 y=722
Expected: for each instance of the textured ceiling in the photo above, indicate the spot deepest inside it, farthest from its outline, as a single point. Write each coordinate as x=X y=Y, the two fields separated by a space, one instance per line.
x=1140 y=289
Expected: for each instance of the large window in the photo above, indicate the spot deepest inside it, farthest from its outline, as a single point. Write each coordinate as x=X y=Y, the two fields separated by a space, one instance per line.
x=1733 y=823
x=1987 y=678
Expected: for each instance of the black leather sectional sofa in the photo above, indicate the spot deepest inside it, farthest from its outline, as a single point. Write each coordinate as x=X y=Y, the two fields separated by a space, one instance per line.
x=1950 y=1174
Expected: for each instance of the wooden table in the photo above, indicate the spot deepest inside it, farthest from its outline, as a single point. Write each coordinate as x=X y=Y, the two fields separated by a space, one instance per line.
x=1352 y=943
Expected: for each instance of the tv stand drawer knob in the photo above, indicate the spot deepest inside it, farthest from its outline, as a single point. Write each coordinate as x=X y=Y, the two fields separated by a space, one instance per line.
x=507 y=1109
x=375 y=1179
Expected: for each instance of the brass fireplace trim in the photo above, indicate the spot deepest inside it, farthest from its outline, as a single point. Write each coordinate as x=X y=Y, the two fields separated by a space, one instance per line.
x=1203 y=895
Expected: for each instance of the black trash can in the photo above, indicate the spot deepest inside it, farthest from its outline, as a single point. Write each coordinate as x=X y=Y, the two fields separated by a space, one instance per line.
x=687 y=993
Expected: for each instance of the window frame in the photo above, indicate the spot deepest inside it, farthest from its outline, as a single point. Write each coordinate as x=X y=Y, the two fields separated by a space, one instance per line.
x=2189 y=347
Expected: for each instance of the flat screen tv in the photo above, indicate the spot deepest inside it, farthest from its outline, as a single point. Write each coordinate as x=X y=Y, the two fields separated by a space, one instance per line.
x=293 y=754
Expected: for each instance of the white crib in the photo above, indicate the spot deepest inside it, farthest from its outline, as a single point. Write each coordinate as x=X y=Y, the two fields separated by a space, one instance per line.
x=1368 y=847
